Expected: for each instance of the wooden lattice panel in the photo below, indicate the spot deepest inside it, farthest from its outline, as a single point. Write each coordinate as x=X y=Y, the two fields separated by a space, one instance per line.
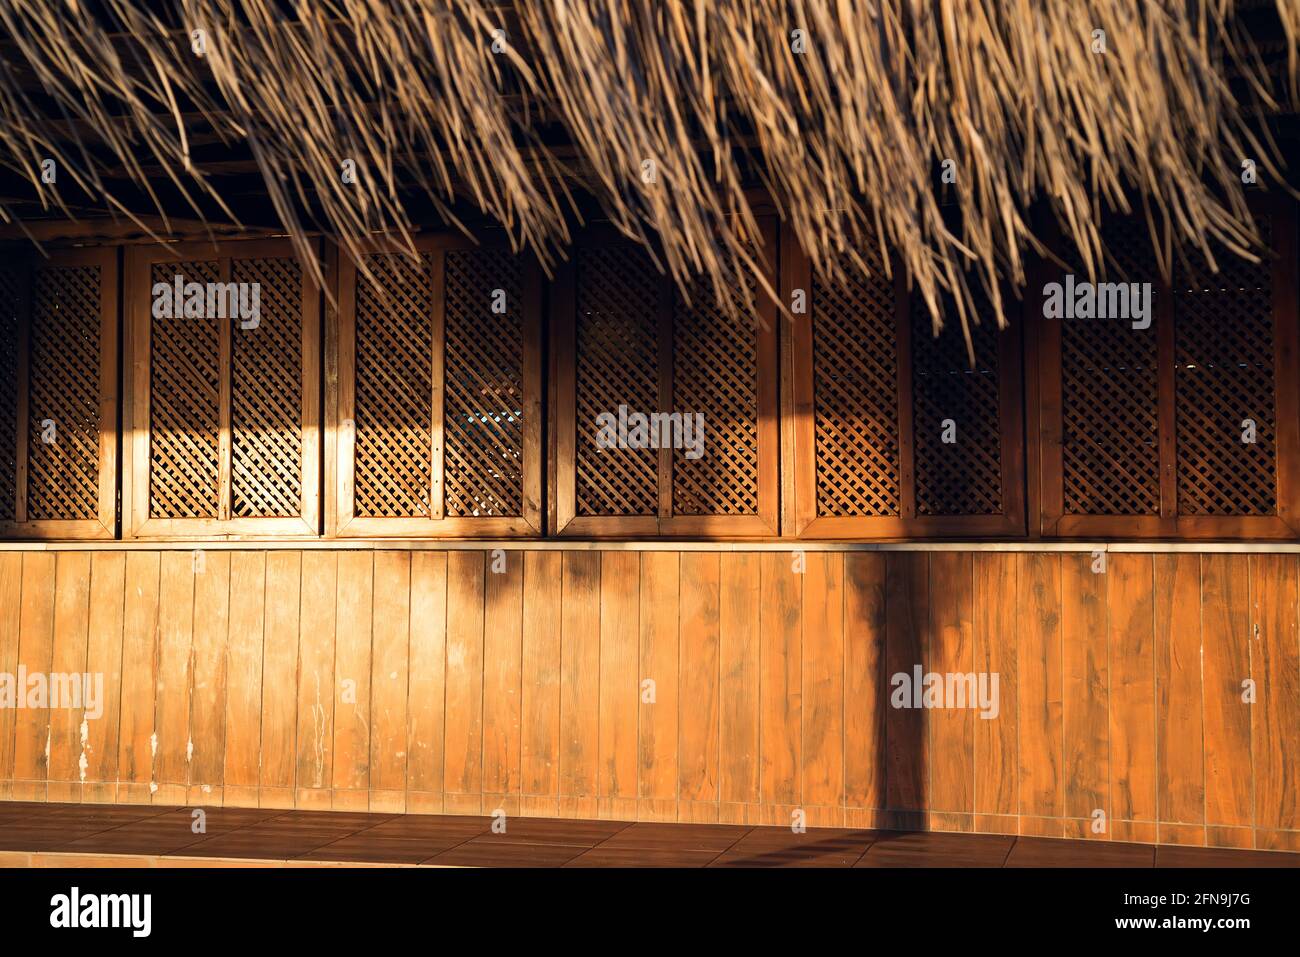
x=715 y=372
x=1110 y=395
x=12 y=305
x=266 y=393
x=618 y=292
x=63 y=403
x=484 y=395
x=184 y=404
x=1225 y=375
x=855 y=381
x=963 y=477
x=394 y=404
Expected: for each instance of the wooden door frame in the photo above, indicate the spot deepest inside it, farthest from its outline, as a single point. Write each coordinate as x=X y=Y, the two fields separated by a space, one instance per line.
x=342 y=400
x=797 y=273
x=104 y=525
x=562 y=504
x=138 y=326
x=1046 y=335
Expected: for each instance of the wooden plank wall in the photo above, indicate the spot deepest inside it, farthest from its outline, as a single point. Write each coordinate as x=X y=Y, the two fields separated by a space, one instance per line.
x=1154 y=699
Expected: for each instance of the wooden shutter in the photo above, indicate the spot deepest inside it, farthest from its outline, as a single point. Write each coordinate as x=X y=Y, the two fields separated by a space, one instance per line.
x=58 y=396
x=895 y=434
x=439 y=403
x=624 y=337
x=1142 y=430
x=226 y=412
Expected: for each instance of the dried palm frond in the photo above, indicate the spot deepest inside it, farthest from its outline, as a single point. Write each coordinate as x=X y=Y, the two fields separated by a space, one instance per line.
x=851 y=111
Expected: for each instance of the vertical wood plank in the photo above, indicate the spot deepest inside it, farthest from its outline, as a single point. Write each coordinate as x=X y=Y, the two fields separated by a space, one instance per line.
x=208 y=698
x=540 y=700
x=1179 y=731
x=1085 y=711
x=352 y=681
x=71 y=623
x=503 y=636
x=866 y=693
x=139 y=659
x=951 y=652
x=579 y=684
x=35 y=652
x=11 y=592
x=244 y=678
x=738 y=711
x=171 y=773
x=780 y=685
x=427 y=699
x=996 y=627
x=1040 y=691
x=98 y=736
x=660 y=591
x=390 y=657
x=463 y=772
x=907 y=611
x=698 y=715
x=1132 y=688
x=822 y=675
x=620 y=595
x=1225 y=637
x=279 y=751
x=314 y=741
x=1275 y=668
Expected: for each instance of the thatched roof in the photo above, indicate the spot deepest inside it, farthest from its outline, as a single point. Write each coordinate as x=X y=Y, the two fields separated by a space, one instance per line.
x=584 y=100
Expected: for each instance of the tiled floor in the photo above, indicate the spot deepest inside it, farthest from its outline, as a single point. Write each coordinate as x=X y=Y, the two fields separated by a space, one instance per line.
x=71 y=834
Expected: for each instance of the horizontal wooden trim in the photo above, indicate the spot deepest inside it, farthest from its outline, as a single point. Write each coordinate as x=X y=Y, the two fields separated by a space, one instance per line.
x=660 y=545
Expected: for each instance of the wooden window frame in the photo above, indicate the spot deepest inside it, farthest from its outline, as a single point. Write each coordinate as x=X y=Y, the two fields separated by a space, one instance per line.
x=1046 y=350
x=104 y=525
x=137 y=522
x=564 y=520
x=797 y=273
x=346 y=523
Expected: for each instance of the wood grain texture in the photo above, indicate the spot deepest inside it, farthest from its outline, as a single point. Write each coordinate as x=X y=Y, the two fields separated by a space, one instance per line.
x=1130 y=583
x=463 y=757
x=11 y=595
x=1275 y=668
x=389 y=663
x=822 y=674
x=579 y=684
x=866 y=689
x=1085 y=691
x=177 y=573
x=780 y=680
x=996 y=640
x=907 y=585
x=314 y=738
x=620 y=635
x=426 y=681
x=1226 y=649
x=698 y=714
x=244 y=648
x=658 y=741
x=98 y=747
x=1039 y=686
x=951 y=652
x=139 y=660
x=503 y=635
x=427 y=695
x=68 y=658
x=208 y=699
x=540 y=749
x=1179 y=705
x=739 y=588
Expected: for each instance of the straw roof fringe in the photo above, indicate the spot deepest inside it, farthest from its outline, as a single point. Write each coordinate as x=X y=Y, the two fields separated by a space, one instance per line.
x=664 y=105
